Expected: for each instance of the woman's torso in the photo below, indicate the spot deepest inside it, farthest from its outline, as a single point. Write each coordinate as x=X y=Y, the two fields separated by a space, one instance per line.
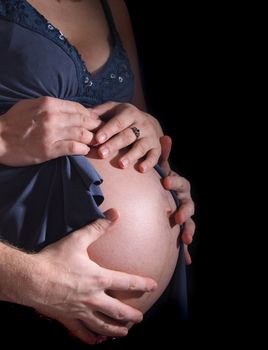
x=49 y=51
x=143 y=242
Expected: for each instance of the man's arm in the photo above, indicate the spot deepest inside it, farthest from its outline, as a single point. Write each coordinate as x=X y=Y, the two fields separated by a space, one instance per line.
x=17 y=272
x=62 y=283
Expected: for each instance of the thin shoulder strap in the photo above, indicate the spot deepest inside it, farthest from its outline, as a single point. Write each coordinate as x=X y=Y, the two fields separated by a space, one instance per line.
x=110 y=19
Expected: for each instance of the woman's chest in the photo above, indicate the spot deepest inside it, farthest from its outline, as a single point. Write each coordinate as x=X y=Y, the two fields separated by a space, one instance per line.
x=37 y=59
x=84 y=24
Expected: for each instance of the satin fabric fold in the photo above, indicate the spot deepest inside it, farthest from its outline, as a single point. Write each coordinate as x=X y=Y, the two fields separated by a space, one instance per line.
x=40 y=204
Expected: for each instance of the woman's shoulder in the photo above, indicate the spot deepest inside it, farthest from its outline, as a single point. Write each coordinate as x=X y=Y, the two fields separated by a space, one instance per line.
x=120 y=14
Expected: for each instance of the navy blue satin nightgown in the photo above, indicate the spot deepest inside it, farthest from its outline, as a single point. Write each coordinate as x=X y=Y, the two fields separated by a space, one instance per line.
x=40 y=204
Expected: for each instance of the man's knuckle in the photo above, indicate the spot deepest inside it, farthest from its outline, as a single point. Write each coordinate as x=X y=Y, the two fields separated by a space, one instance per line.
x=121 y=315
x=191 y=211
x=132 y=284
x=92 y=114
x=45 y=101
x=49 y=119
x=47 y=104
x=127 y=105
x=94 y=301
x=89 y=136
x=82 y=119
x=78 y=106
x=105 y=326
x=187 y=185
x=72 y=147
x=102 y=281
x=81 y=134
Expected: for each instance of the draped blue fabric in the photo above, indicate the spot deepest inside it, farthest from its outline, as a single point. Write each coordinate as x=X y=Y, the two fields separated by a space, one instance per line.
x=41 y=203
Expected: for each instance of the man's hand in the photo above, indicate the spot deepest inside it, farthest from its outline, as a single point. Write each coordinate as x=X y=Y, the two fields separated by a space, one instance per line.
x=182 y=188
x=75 y=287
x=34 y=131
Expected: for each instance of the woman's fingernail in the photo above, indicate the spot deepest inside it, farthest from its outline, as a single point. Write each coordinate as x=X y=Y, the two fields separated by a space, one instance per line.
x=101 y=339
x=143 y=168
x=104 y=151
x=101 y=137
x=124 y=162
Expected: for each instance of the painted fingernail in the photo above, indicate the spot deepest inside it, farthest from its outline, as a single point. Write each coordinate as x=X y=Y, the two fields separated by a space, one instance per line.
x=101 y=137
x=124 y=163
x=104 y=151
x=143 y=168
x=101 y=339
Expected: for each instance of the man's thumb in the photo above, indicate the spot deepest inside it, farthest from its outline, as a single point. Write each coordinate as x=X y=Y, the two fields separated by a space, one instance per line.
x=97 y=228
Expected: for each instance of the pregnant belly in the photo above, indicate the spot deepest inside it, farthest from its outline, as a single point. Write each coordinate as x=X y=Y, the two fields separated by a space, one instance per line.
x=145 y=240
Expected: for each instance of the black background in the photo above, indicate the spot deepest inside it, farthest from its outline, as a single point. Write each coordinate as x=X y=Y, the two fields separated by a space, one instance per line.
x=185 y=71
x=185 y=68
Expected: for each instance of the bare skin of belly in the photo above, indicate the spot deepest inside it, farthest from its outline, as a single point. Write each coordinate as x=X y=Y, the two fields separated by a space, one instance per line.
x=145 y=240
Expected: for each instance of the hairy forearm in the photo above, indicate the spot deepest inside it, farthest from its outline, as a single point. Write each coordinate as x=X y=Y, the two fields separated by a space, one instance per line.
x=18 y=271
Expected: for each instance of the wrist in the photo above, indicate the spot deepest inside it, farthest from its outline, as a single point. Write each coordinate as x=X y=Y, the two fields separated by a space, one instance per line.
x=20 y=276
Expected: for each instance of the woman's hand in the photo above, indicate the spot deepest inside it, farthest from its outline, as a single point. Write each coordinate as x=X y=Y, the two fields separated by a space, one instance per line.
x=75 y=288
x=34 y=131
x=183 y=190
x=117 y=133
